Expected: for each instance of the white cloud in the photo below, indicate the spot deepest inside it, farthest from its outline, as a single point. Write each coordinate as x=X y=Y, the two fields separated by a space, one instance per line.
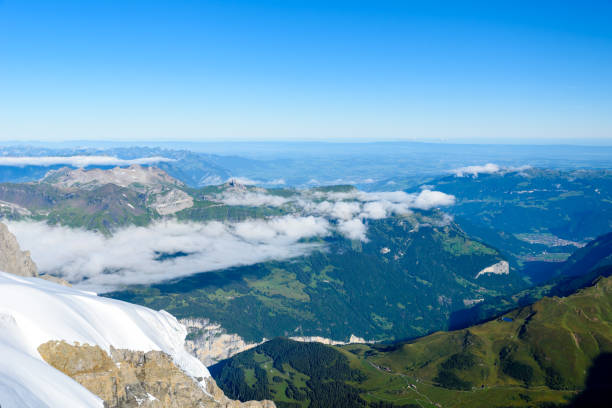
x=474 y=171
x=489 y=168
x=95 y=262
x=393 y=202
x=428 y=199
x=375 y=210
x=276 y=182
x=292 y=227
x=353 y=229
x=251 y=198
x=78 y=161
x=344 y=206
x=344 y=210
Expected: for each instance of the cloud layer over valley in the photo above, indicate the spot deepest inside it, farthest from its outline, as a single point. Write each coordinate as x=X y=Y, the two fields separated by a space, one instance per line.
x=170 y=249
x=136 y=254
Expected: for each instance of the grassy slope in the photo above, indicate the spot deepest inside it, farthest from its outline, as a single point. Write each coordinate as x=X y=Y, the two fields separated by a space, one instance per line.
x=587 y=263
x=541 y=357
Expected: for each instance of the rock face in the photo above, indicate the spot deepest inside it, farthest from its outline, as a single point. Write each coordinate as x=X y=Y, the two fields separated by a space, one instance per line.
x=500 y=268
x=130 y=379
x=162 y=192
x=12 y=258
x=135 y=177
x=323 y=340
x=210 y=343
x=55 y=279
x=172 y=201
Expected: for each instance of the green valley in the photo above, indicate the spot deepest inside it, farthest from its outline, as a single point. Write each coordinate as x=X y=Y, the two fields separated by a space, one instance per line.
x=536 y=356
x=404 y=282
x=532 y=214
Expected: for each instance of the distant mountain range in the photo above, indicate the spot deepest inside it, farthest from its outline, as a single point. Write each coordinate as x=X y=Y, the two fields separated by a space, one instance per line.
x=26 y=163
x=369 y=166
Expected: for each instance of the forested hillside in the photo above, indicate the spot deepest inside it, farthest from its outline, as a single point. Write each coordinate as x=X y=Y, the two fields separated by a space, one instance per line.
x=542 y=355
x=405 y=281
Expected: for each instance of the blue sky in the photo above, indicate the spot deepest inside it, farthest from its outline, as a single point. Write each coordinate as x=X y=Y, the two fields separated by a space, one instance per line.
x=500 y=71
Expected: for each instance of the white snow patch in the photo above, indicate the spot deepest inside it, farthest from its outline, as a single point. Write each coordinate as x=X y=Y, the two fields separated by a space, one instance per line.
x=34 y=311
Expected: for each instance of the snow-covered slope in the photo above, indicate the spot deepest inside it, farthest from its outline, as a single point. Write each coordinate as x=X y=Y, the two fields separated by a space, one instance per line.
x=33 y=311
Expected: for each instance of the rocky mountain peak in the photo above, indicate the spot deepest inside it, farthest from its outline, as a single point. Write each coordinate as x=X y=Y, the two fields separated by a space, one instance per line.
x=135 y=176
x=127 y=378
x=12 y=258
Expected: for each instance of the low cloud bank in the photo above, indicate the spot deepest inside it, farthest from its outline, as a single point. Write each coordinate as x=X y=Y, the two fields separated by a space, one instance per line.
x=252 y=199
x=343 y=205
x=474 y=171
x=131 y=256
x=353 y=229
x=350 y=209
x=489 y=168
x=356 y=203
x=172 y=249
x=77 y=161
x=250 y=182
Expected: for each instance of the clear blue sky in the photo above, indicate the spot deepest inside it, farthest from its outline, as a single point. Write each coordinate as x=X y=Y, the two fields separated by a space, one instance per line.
x=310 y=70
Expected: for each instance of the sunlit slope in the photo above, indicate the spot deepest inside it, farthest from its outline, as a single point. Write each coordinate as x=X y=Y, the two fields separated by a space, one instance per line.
x=537 y=355
x=578 y=271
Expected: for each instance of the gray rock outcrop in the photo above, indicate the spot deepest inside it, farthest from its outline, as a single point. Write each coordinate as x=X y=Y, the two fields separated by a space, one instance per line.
x=12 y=258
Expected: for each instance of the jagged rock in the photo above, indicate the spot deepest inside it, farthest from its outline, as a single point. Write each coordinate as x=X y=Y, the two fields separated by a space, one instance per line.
x=55 y=279
x=172 y=201
x=236 y=185
x=500 y=268
x=12 y=258
x=130 y=379
x=211 y=343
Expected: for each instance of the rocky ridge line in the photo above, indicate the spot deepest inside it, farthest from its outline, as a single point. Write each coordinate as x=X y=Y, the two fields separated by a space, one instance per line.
x=130 y=379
